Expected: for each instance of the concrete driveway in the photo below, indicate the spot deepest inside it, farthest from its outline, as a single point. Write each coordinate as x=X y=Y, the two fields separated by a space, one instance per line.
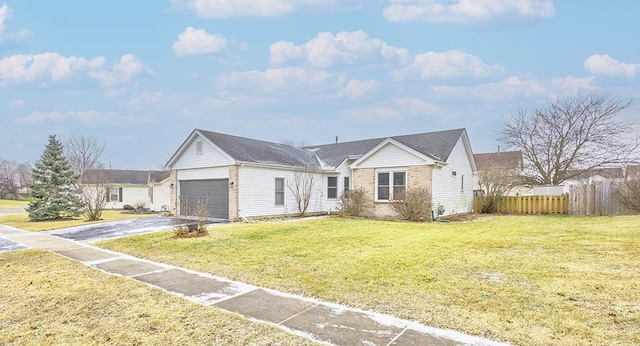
x=117 y=229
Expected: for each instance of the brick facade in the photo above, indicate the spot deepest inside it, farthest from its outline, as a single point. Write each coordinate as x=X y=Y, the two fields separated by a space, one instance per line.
x=233 y=191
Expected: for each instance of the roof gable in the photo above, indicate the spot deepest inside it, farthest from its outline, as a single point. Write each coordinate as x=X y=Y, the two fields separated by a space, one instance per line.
x=396 y=151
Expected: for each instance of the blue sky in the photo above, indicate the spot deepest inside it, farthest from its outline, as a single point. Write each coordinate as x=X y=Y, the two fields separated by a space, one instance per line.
x=140 y=75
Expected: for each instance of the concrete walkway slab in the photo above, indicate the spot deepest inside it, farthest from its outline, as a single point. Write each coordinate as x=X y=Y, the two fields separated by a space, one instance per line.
x=188 y=284
x=87 y=254
x=127 y=267
x=344 y=327
x=262 y=305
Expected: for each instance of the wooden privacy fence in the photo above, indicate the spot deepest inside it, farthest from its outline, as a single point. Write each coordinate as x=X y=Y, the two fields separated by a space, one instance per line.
x=525 y=204
x=595 y=198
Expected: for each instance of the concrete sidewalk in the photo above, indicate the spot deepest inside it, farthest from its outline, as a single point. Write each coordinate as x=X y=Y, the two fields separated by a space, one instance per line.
x=319 y=321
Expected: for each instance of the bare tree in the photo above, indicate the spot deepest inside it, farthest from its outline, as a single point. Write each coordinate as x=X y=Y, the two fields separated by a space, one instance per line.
x=302 y=189
x=93 y=196
x=83 y=153
x=298 y=143
x=9 y=178
x=498 y=181
x=24 y=173
x=628 y=194
x=570 y=136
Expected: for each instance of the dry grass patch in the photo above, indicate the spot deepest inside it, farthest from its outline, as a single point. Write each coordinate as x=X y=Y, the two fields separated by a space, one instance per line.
x=21 y=221
x=526 y=280
x=47 y=299
x=11 y=204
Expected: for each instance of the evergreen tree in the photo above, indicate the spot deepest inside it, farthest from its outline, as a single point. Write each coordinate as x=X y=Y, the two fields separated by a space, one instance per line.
x=53 y=192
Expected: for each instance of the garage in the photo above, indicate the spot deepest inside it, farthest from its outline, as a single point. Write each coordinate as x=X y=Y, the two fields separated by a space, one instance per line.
x=210 y=196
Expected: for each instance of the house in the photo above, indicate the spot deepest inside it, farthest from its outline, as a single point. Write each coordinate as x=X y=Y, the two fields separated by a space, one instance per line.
x=148 y=188
x=498 y=173
x=239 y=177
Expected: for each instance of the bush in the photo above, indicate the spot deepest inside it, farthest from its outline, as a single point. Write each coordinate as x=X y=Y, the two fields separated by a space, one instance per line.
x=128 y=207
x=354 y=202
x=416 y=204
x=191 y=230
x=490 y=204
x=628 y=194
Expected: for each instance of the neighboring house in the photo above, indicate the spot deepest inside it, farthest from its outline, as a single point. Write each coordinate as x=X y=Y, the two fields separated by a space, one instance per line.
x=149 y=188
x=499 y=173
x=606 y=174
x=241 y=177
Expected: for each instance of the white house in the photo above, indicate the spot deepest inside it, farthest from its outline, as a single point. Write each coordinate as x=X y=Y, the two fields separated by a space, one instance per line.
x=239 y=177
x=152 y=189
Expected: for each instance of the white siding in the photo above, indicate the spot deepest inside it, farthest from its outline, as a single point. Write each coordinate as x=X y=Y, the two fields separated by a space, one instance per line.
x=256 y=189
x=131 y=195
x=211 y=156
x=161 y=196
x=447 y=189
x=391 y=156
x=203 y=173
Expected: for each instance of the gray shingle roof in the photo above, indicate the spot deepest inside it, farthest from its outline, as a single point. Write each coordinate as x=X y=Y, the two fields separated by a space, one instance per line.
x=437 y=145
x=121 y=177
x=257 y=151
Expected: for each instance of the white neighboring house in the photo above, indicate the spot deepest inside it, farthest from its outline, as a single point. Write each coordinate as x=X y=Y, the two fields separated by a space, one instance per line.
x=241 y=177
x=607 y=174
x=128 y=187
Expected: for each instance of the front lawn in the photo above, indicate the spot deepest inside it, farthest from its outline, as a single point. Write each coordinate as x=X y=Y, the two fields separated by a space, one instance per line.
x=21 y=221
x=521 y=279
x=49 y=300
x=11 y=204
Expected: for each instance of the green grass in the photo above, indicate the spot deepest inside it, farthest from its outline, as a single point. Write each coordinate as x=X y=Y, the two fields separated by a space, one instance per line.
x=530 y=280
x=21 y=221
x=50 y=300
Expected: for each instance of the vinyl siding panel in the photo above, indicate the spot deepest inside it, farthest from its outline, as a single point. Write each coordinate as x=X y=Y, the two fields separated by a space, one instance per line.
x=131 y=195
x=204 y=173
x=256 y=190
x=447 y=188
x=161 y=196
x=391 y=156
x=211 y=156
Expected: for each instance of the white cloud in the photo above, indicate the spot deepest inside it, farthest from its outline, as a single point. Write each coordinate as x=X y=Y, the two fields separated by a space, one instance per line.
x=605 y=65
x=372 y=114
x=16 y=103
x=262 y=8
x=356 y=89
x=327 y=49
x=87 y=117
x=450 y=64
x=121 y=72
x=414 y=106
x=18 y=36
x=24 y=68
x=513 y=88
x=198 y=42
x=284 y=80
x=465 y=11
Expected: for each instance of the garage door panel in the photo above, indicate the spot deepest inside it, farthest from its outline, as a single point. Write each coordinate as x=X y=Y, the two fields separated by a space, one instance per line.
x=210 y=197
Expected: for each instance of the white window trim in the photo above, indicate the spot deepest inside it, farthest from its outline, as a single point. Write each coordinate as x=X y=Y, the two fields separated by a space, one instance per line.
x=337 y=187
x=390 y=171
x=283 y=191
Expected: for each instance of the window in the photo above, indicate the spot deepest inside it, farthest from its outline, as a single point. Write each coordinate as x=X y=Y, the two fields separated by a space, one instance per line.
x=279 y=191
x=332 y=187
x=114 y=194
x=391 y=185
x=462 y=183
x=199 y=148
x=346 y=184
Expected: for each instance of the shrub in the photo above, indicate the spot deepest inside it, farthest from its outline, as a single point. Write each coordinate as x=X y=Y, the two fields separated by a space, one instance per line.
x=416 y=204
x=139 y=206
x=193 y=230
x=628 y=194
x=490 y=204
x=128 y=207
x=354 y=202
